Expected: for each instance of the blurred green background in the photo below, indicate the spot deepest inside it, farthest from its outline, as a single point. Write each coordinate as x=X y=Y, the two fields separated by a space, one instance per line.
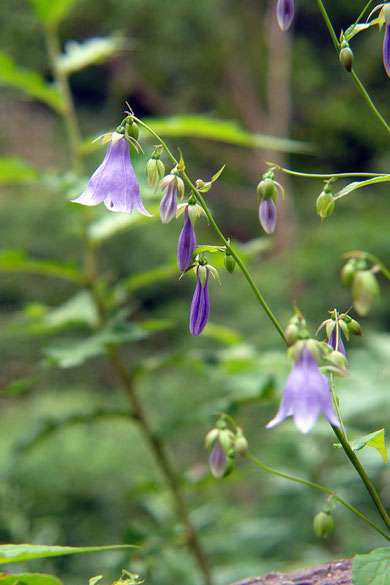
x=74 y=468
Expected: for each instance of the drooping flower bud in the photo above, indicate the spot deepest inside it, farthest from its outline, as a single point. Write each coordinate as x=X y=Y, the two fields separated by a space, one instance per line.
x=131 y=129
x=348 y=271
x=200 y=306
x=285 y=13
x=220 y=440
x=325 y=202
x=268 y=215
x=323 y=524
x=218 y=460
x=230 y=262
x=354 y=327
x=186 y=243
x=346 y=56
x=365 y=290
x=386 y=41
x=154 y=168
x=175 y=187
x=240 y=443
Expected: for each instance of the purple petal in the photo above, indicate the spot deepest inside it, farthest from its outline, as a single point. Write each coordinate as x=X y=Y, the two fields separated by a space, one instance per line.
x=218 y=460
x=386 y=50
x=114 y=182
x=285 y=13
x=339 y=346
x=186 y=244
x=168 y=204
x=200 y=306
x=268 y=215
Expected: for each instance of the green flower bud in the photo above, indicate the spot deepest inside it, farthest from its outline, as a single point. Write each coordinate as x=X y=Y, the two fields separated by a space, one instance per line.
x=365 y=290
x=292 y=334
x=226 y=439
x=337 y=359
x=354 y=327
x=323 y=524
x=230 y=262
x=132 y=129
x=325 y=204
x=154 y=171
x=346 y=58
x=241 y=444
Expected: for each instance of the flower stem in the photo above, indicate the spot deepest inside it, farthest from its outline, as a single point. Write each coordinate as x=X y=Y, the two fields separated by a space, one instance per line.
x=329 y=175
x=220 y=235
x=317 y=487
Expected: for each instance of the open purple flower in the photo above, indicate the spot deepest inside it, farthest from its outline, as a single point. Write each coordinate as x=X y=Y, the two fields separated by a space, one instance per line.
x=268 y=215
x=285 y=13
x=200 y=306
x=306 y=394
x=186 y=243
x=336 y=341
x=114 y=181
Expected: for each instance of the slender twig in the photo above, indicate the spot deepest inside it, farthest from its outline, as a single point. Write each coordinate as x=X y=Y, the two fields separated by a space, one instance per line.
x=327 y=175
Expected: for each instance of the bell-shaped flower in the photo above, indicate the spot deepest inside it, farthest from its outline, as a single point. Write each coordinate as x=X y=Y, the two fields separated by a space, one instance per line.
x=186 y=243
x=174 y=186
x=285 y=13
x=200 y=306
x=306 y=394
x=336 y=341
x=114 y=181
x=268 y=215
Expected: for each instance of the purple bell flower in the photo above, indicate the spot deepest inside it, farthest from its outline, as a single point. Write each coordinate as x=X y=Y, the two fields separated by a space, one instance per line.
x=217 y=460
x=114 y=181
x=285 y=13
x=168 y=206
x=268 y=215
x=306 y=394
x=336 y=340
x=200 y=306
x=186 y=244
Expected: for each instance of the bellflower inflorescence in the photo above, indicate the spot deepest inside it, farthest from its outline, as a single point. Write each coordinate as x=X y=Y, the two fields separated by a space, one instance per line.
x=200 y=306
x=285 y=13
x=114 y=181
x=306 y=394
x=186 y=243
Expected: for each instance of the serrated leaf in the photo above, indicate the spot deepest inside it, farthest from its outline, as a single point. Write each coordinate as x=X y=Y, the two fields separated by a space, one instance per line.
x=17 y=261
x=16 y=170
x=375 y=440
x=30 y=82
x=15 y=553
x=358 y=184
x=29 y=579
x=51 y=12
x=115 y=223
x=373 y=568
x=227 y=131
x=90 y=52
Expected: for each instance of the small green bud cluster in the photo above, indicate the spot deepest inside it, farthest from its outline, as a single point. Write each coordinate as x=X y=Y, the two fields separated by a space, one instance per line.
x=224 y=445
x=346 y=56
x=296 y=330
x=325 y=202
x=364 y=285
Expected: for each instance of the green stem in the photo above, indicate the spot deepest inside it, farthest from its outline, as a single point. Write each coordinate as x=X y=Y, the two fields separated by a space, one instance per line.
x=363 y=475
x=317 y=487
x=329 y=25
x=328 y=176
x=222 y=238
x=385 y=271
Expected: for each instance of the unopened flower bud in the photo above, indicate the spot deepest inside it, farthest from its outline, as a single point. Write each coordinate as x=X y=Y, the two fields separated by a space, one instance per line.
x=346 y=58
x=230 y=262
x=337 y=359
x=348 y=272
x=132 y=129
x=154 y=171
x=323 y=524
x=354 y=327
x=241 y=444
x=365 y=290
x=218 y=460
x=291 y=333
x=325 y=203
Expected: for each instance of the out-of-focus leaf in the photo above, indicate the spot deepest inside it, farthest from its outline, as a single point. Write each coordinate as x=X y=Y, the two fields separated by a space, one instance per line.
x=51 y=12
x=227 y=131
x=112 y=224
x=375 y=439
x=207 y=248
x=21 y=385
x=16 y=170
x=17 y=261
x=136 y=281
x=92 y=51
x=154 y=325
x=15 y=553
x=29 y=579
x=79 y=309
x=31 y=82
x=224 y=335
x=357 y=184
x=372 y=569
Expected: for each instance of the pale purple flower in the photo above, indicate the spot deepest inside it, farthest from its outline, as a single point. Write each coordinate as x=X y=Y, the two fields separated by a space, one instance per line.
x=386 y=49
x=186 y=243
x=114 y=181
x=268 y=215
x=306 y=394
x=174 y=186
x=217 y=460
x=200 y=306
x=285 y=13
x=335 y=340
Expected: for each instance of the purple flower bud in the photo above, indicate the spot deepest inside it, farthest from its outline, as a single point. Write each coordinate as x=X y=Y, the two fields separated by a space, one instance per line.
x=306 y=394
x=174 y=186
x=335 y=340
x=268 y=215
x=200 y=306
x=218 y=460
x=186 y=244
x=114 y=181
x=285 y=13
x=386 y=49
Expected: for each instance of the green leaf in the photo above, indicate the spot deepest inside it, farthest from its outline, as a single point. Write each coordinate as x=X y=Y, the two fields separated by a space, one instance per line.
x=115 y=223
x=16 y=170
x=357 y=184
x=354 y=29
x=17 y=261
x=373 y=568
x=51 y=12
x=225 y=335
x=79 y=309
x=29 y=81
x=15 y=553
x=375 y=440
x=207 y=248
x=227 y=131
x=92 y=51
x=29 y=579
x=140 y=279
